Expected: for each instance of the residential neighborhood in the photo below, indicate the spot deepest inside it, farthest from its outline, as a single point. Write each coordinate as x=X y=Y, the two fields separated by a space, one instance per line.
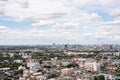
x=59 y=63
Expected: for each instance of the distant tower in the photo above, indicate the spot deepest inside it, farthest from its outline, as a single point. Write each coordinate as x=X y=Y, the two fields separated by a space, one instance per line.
x=66 y=46
x=111 y=46
x=53 y=44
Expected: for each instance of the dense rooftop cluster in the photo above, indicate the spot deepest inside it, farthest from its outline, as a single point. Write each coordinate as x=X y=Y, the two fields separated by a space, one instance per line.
x=60 y=62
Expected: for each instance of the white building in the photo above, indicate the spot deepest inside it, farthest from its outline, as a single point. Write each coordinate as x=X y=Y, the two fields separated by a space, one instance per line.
x=76 y=53
x=26 y=73
x=26 y=55
x=67 y=71
x=33 y=64
x=116 y=54
x=22 y=78
x=39 y=76
x=21 y=67
x=92 y=66
x=18 y=61
x=11 y=54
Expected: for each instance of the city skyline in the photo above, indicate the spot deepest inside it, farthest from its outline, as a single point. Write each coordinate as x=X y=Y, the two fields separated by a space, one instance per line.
x=33 y=22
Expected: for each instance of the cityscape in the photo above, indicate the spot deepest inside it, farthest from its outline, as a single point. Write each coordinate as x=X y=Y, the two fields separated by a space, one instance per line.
x=59 y=40
x=60 y=62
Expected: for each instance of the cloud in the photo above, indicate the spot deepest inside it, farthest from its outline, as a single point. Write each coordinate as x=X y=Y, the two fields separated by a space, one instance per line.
x=33 y=37
x=36 y=10
x=111 y=23
x=106 y=33
x=115 y=12
x=4 y=0
x=43 y=23
x=69 y=26
x=115 y=22
x=73 y=21
x=37 y=36
x=84 y=17
x=32 y=10
x=98 y=2
x=3 y=29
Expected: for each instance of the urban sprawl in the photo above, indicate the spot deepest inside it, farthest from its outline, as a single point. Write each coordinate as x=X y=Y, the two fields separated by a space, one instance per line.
x=60 y=62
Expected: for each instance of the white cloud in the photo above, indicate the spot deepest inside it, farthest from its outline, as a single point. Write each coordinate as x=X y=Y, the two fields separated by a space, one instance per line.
x=32 y=10
x=69 y=26
x=106 y=33
x=115 y=12
x=67 y=20
x=98 y=2
x=38 y=9
x=111 y=23
x=43 y=23
x=3 y=29
x=35 y=36
x=115 y=22
x=81 y=16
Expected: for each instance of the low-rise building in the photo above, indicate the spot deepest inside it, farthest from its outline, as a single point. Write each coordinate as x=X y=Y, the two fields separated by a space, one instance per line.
x=67 y=71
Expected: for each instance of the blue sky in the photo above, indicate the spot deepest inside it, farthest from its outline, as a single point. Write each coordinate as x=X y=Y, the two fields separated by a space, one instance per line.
x=32 y=22
x=24 y=25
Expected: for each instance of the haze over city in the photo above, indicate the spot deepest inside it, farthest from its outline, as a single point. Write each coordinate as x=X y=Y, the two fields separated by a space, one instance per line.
x=33 y=22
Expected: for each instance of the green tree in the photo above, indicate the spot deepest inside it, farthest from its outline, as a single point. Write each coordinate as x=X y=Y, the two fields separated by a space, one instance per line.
x=95 y=78
x=53 y=75
x=101 y=77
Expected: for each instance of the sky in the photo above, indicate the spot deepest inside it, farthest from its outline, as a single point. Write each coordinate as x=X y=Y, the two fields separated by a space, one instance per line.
x=33 y=22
